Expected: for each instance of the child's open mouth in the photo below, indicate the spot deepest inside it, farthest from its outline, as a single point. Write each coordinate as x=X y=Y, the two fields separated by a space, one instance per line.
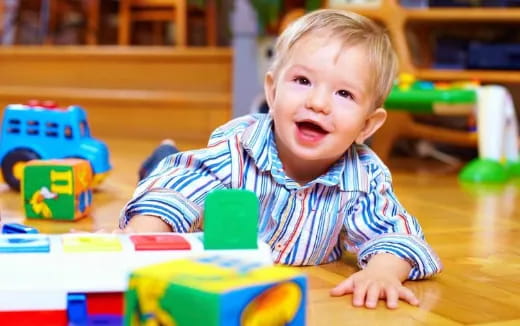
x=309 y=131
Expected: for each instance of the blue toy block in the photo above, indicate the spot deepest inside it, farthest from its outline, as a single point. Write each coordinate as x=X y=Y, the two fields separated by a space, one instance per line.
x=13 y=243
x=10 y=228
x=77 y=308
x=104 y=320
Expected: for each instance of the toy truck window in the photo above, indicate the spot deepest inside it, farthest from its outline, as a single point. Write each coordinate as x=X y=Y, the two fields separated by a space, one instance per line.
x=84 y=129
x=33 y=127
x=67 y=132
x=51 y=129
x=13 y=126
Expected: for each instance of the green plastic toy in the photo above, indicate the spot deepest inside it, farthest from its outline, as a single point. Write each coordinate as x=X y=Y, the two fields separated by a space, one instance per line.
x=231 y=220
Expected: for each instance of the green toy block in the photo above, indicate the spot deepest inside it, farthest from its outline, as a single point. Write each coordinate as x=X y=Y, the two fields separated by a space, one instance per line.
x=57 y=189
x=231 y=220
x=484 y=171
x=215 y=291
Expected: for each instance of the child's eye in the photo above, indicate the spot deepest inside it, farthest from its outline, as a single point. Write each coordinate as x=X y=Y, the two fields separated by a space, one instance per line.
x=302 y=80
x=346 y=94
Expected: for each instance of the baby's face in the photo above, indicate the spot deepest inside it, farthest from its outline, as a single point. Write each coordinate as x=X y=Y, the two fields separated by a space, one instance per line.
x=320 y=99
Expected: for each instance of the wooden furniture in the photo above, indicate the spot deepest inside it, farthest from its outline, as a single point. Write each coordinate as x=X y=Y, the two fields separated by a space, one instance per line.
x=180 y=12
x=155 y=92
x=91 y=8
x=208 y=14
x=477 y=237
x=2 y=18
x=399 y=21
x=131 y=11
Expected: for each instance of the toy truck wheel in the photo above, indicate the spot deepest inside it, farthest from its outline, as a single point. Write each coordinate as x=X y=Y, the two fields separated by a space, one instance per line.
x=12 y=166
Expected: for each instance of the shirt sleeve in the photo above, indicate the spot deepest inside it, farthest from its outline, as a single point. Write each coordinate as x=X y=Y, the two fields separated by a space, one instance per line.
x=379 y=224
x=175 y=191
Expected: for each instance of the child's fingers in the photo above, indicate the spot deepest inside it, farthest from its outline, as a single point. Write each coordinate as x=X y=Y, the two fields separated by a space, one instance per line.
x=77 y=231
x=82 y=231
x=392 y=298
x=345 y=287
x=407 y=295
x=360 y=292
x=373 y=292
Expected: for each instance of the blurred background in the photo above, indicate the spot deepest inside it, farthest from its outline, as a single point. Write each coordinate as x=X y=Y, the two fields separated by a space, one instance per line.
x=179 y=68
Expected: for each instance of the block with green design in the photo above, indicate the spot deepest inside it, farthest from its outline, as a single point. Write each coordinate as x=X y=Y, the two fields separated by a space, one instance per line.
x=215 y=291
x=57 y=189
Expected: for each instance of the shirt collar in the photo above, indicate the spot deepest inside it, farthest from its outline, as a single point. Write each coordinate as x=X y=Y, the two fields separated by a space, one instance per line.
x=348 y=173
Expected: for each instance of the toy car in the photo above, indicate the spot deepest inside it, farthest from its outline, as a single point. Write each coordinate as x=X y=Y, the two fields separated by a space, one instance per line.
x=42 y=130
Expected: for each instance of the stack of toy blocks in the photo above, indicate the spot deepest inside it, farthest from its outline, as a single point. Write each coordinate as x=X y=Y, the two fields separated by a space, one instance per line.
x=57 y=189
x=215 y=291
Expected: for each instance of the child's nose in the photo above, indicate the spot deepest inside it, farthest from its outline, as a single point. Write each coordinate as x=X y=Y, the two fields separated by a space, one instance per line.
x=318 y=101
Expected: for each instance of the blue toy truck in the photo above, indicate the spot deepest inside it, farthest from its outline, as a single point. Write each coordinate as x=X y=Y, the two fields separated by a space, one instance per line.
x=44 y=131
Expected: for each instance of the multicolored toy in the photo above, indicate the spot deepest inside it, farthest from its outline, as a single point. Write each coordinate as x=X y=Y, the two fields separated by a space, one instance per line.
x=81 y=278
x=215 y=291
x=57 y=189
x=40 y=272
x=42 y=130
x=499 y=159
x=496 y=121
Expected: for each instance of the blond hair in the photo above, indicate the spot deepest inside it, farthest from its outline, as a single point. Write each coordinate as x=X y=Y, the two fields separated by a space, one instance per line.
x=352 y=29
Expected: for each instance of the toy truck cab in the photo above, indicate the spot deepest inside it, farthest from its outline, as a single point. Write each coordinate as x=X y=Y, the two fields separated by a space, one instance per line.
x=31 y=132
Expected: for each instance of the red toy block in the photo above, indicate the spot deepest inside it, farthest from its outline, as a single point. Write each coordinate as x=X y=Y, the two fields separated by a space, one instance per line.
x=105 y=303
x=160 y=242
x=40 y=318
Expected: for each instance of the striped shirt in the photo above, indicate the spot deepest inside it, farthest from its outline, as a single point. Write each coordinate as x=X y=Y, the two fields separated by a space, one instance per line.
x=351 y=207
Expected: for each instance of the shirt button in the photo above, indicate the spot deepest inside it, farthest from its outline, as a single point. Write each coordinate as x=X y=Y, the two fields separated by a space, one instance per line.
x=300 y=194
x=279 y=246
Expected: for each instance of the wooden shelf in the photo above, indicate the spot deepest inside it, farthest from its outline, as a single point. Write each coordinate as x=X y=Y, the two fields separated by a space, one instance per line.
x=490 y=76
x=464 y=14
x=398 y=21
x=395 y=18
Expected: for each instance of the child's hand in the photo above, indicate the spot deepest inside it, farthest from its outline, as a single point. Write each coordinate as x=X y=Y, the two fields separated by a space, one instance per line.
x=381 y=279
x=369 y=286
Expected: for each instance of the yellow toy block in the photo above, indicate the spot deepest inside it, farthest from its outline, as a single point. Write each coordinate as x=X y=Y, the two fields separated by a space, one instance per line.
x=91 y=243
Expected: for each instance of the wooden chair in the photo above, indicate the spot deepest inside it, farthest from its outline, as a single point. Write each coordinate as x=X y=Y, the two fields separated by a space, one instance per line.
x=131 y=11
x=161 y=11
x=208 y=13
x=91 y=8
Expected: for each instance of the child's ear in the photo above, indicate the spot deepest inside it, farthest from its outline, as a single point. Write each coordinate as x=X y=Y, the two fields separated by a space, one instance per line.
x=373 y=122
x=269 y=88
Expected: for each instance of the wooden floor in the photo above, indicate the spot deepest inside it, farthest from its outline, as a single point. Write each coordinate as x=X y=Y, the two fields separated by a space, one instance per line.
x=475 y=231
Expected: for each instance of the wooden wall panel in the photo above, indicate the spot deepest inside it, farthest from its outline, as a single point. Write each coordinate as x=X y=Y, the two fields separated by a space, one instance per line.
x=137 y=92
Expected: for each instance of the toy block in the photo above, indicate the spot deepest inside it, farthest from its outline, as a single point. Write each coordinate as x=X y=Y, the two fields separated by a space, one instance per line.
x=231 y=220
x=26 y=243
x=104 y=320
x=77 y=308
x=40 y=318
x=17 y=228
x=91 y=243
x=57 y=189
x=160 y=242
x=230 y=291
x=105 y=304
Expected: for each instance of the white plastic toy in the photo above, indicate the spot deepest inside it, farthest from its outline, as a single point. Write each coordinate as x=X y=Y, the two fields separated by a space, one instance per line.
x=39 y=271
